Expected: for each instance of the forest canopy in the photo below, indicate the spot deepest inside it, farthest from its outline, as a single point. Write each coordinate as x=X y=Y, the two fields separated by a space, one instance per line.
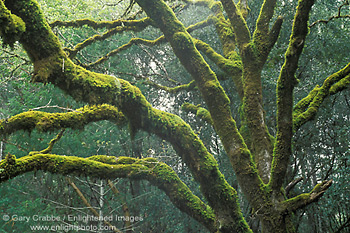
x=175 y=116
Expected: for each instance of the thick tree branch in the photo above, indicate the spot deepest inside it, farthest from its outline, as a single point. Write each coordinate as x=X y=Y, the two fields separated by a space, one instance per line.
x=44 y=121
x=216 y=100
x=238 y=23
x=285 y=86
x=250 y=61
x=261 y=33
x=110 y=167
x=265 y=16
x=11 y=26
x=254 y=54
x=265 y=38
x=224 y=31
x=223 y=26
x=230 y=64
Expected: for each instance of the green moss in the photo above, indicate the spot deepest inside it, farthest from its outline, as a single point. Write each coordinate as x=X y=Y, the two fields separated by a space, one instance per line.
x=52 y=121
x=232 y=64
x=238 y=22
x=10 y=159
x=215 y=6
x=37 y=29
x=244 y=9
x=183 y=40
x=150 y=160
x=137 y=25
x=200 y=112
x=81 y=84
x=340 y=85
x=11 y=26
x=126 y=160
x=306 y=109
x=101 y=166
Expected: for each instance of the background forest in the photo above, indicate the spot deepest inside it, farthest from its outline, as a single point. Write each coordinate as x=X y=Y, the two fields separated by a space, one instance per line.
x=321 y=153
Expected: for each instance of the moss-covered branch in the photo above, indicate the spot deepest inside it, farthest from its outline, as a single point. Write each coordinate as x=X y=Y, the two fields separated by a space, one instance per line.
x=89 y=41
x=110 y=167
x=285 y=86
x=307 y=108
x=11 y=26
x=175 y=87
x=265 y=41
x=52 y=65
x=223 y=27
x=51 y=144
x=44 y=121
x=140 y=24
x=230 y=62
x=231 y=66
x=305 y=199
x=253 y=53
x=184 y=87
x=133 y=41
x=139 y=41
x=216 y=100
x=264 y=38
x=238 y=22
x=200 y=112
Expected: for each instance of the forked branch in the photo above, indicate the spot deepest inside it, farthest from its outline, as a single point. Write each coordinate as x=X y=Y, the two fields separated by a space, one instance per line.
x=307 y=108
x=305 y=199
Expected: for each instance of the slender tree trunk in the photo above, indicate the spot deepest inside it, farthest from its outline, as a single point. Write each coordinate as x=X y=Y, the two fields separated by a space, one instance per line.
x=2 y=147
x=101 y=202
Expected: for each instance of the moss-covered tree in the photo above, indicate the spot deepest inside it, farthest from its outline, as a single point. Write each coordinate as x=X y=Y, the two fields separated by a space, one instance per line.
x=259 y=158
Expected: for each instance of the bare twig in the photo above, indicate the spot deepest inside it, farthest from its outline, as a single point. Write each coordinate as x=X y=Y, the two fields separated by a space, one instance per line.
x=92 y=209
